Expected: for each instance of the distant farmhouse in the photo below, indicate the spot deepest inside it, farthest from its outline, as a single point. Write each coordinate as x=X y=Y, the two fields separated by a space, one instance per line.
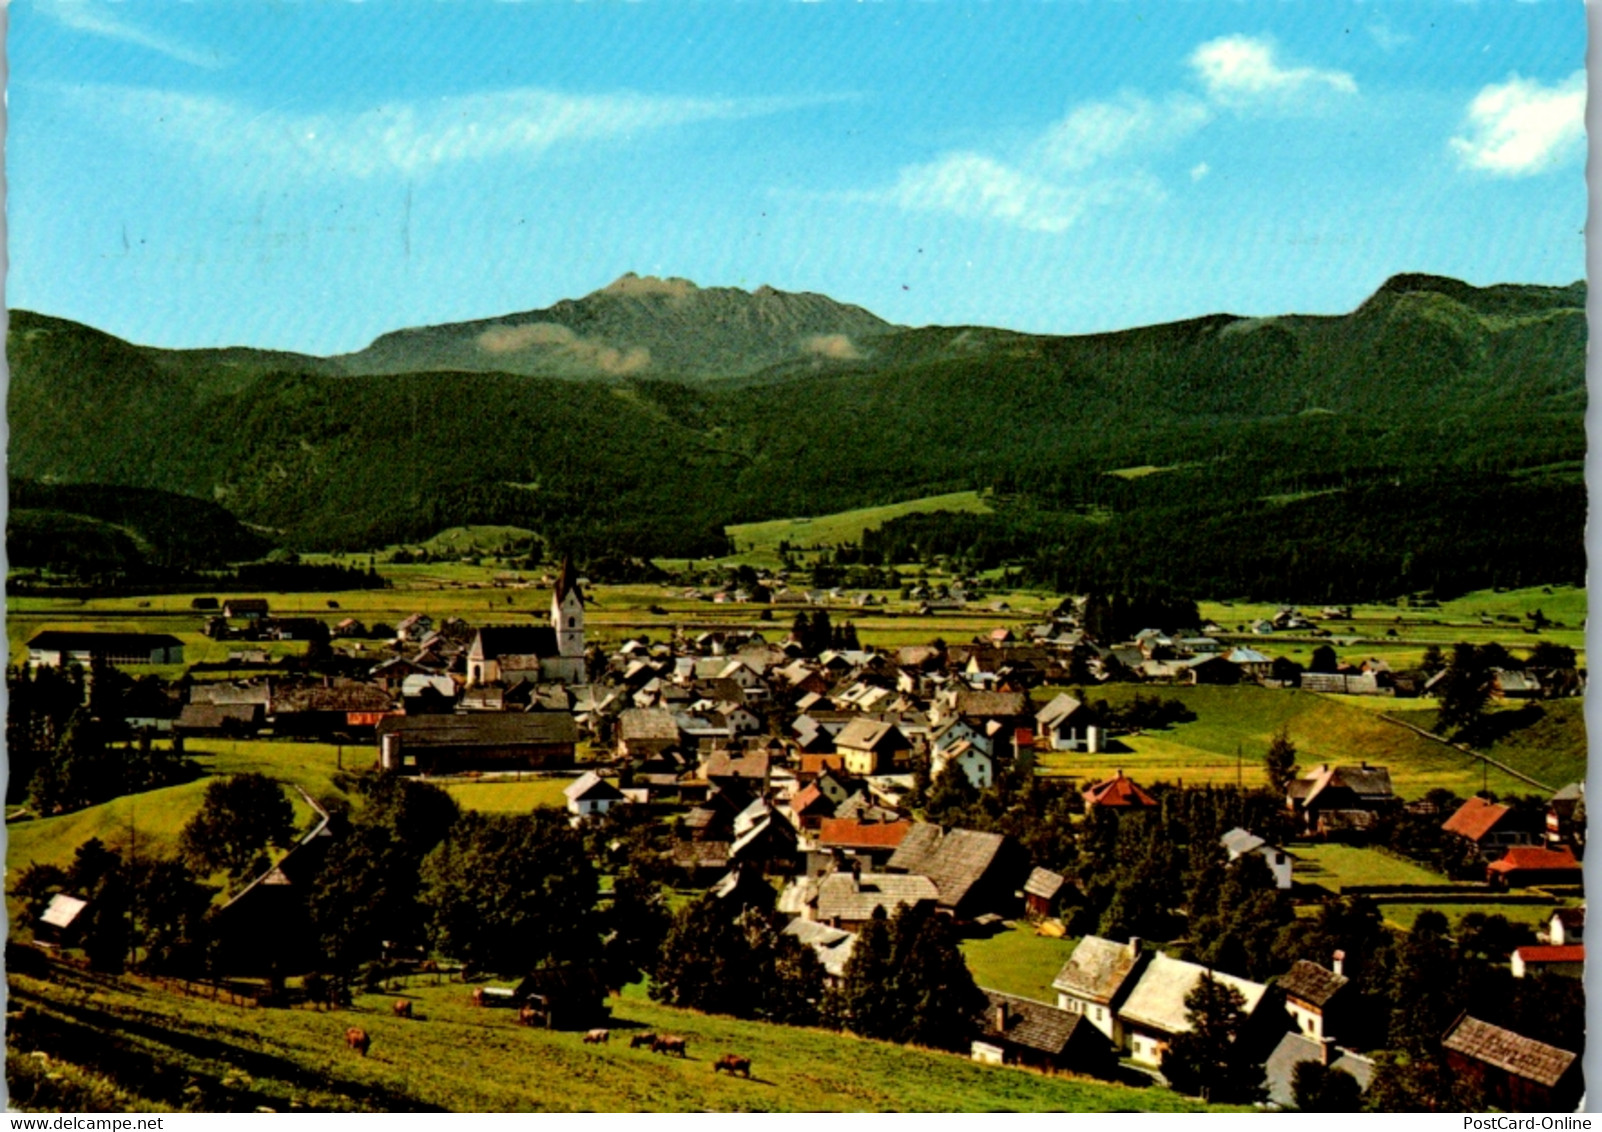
x=56 y=648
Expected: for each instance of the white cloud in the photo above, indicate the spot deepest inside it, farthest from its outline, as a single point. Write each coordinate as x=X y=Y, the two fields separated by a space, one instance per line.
x=1387 y=39
x=1238 y=68
x=85 y=16
x=974 y=186
x=1096 y=131
x=1520 y=127
x=406 y=138
x=1200 y=170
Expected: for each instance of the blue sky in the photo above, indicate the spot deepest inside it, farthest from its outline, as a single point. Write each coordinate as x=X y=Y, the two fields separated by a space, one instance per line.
x=309 y=175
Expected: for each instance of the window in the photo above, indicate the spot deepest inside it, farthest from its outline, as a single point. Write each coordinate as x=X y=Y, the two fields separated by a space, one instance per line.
x=569 y=622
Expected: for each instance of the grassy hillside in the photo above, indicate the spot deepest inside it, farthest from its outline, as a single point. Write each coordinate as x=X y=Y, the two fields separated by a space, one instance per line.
x=154 y=1044
x=761 y=540
x=1324 y=729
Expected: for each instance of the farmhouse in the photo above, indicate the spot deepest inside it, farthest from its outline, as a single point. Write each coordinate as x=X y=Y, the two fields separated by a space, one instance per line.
x=1068 y=725
x=1515 y=1073
x=974 y=872
x=591 y=795
x=1309 y=989
x=870 y=746
x=1567 y=960
x=1492 y=828
x=1523 y=866
x=1155 y=1011
x=56 y=648
x=1240 y=842
x=1097 y=978
x=1020 y=1031
x=443 y=744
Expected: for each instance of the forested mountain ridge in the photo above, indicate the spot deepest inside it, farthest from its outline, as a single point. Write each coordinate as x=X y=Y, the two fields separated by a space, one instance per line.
x=1429 y=378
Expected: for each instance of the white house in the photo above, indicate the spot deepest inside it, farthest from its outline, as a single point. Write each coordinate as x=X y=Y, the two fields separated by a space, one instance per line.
x=591 y=795
x=1070 y=725
x=977 y=766
x=1239 y=842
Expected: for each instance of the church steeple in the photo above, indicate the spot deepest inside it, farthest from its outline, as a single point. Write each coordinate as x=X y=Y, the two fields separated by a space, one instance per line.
x=567 y=610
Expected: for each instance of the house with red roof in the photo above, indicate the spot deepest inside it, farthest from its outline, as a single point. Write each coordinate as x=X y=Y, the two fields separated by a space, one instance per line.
x=1567 y=960
x=871 y=842
x=1525 y=865
x=1118 y=792
x=1494 y=828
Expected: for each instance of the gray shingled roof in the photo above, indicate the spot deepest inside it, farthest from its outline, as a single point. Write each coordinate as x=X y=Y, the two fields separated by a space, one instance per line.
x=647 y=723
x=954 y=861
x=1043 y=883
x=842 y=896
x=1034 y=1025
x=489 y=729
x=1518 y=1055
x=1310 y=982
x=1097 y=969
x=1292 y=1050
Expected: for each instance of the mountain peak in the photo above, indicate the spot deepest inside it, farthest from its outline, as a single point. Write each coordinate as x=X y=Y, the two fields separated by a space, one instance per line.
x=631 y=284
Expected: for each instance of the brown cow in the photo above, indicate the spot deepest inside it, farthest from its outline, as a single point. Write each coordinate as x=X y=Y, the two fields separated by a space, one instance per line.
x=358 y=1040
x=638 y=1040
x=732 y=1064
x=402 y=1008
x=669 y=1043
x=596 y=1037
x=478 y=996
x=528 y=1016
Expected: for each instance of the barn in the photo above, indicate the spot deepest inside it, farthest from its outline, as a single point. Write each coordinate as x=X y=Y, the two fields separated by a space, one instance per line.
x=446 y=744
x=56 y=648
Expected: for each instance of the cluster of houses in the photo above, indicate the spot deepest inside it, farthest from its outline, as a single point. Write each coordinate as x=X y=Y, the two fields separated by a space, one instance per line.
x=792 y=769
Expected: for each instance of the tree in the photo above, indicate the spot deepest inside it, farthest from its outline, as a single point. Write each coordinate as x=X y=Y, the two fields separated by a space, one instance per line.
x=1434 y=660
x=170 y=913
x=509 y=892
x=1280 y=762
x=907 y=982
x=1464 y=688
x=1546 y=654
x=1208 y=1059
x=240 y=817
x=1318 y=1088
x=1323 y=660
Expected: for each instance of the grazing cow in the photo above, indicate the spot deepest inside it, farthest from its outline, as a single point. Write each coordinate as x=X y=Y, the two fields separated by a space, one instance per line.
x=478 y=996
x=358 y=1040
x=596 y=1037
x=669 y=1043
x=528 y=1016
x=403 y=1008
x=731 y=1064
x=638 y=1040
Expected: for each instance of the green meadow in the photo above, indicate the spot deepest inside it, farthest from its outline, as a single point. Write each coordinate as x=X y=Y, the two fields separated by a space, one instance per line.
x=137 y=1038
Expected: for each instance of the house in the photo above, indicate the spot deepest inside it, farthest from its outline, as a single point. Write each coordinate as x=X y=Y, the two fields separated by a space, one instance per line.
x=1309 y=988
x=1293 y=1050
x=1341 y=797
x=832 y=946
x=1155 y=1012
x=1240 y=842
x=809 y=806
x=56 y=927
x=871 y=842
x=847 y=900
x=328 y=709
x=723 y=770
x=1253 y=665
x=871 y=747
x=973 y=762
x=1118 y=793
x=1514 y=684
x=643 y=733
x=210 y=719
x=414 y=627
x=1566 y=926
x=445 y=744
x=1565 y=817
x=1512 y=1072
x=1097 y=978
x=1523 y=866
x=1069 y=725
x=58 y=648
x=1492 y=828
x=1021 y=1031
x=245 y=609
x=1042 y=892
x=1210 y=669
x=764 y=841
x=974 y=872
x=591 y=795
x=1567 y=960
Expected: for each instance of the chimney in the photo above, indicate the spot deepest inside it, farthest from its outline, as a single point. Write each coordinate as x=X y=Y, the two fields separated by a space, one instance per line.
x=1326 y=1050
x=1134 y=946
x=1339 y=964
x=1000 y=1019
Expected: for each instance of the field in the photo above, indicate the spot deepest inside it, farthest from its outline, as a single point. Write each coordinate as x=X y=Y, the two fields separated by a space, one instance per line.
x=502 y=797
x=1018 y=961
x=1333 y=866
x=169 y=1049
x=758 y=543
x=1324 y=729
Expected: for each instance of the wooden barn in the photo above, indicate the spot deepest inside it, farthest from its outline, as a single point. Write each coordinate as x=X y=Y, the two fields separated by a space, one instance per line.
x=1514 y=1073
x=446 y=744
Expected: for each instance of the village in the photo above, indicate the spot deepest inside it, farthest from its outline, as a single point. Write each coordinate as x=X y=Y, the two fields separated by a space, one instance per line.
x=1263 y=936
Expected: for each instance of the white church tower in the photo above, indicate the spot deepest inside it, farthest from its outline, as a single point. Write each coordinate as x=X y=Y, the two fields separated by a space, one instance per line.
x=567 y=611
